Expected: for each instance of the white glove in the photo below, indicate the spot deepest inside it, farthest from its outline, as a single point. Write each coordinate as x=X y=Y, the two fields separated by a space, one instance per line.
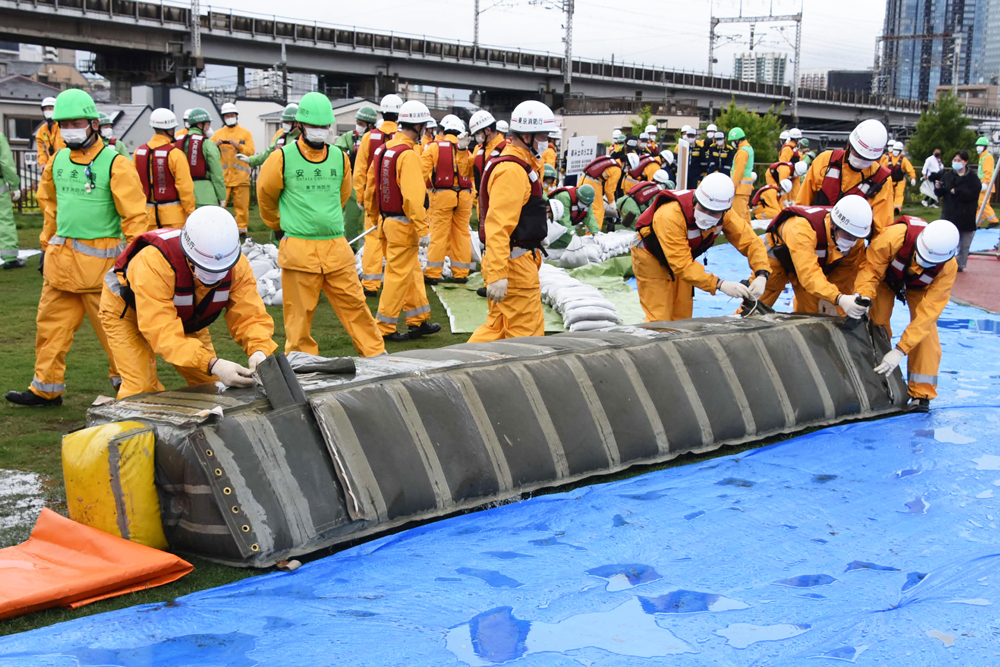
x=222 y=203
x=243 y=158
x=734 y=289
x=255 y=359
x=757 y=286
x=889 y=362
x=851 y=307
x=913 y=181
x=464 y=140
x=425 y=240
x=361 y=205
x=986 y=186
x=497 y=290
x=231 y=374
x=15 y=195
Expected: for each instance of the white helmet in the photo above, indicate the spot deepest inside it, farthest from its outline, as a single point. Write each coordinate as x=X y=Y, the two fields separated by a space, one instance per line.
x=556 y=133
x=868 y=139
x=897 y=146
x=716 y=192
x=616 y=134
x=795 y=133
x=229 y=108
x=413 y=113
x=48 y=102
x=720 y=135
x=801 y=168
x=650 y=130
x=661 y=177
x=711 y=127
x=532 y=117
x=644 y=136
x=633 y=160
x=481 y=120
x=668 y=156
x=211 y=239
x=786 y=185
x=503 y=127
x=783 y=136
x=938 y=242
x=162 y=119
x=557 y=209
x=390 y=104
x=432 y=123
x=187 y=113
x=853 y=214
x=452 y=122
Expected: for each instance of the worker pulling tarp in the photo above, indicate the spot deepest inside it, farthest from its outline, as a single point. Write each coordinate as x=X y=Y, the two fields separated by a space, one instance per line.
x=308 y=462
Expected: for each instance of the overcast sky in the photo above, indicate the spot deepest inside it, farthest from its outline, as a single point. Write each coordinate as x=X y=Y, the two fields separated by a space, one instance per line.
x=836 y=33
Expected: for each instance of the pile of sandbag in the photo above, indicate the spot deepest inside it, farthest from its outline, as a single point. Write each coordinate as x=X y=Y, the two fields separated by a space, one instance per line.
x=592 y=249
x=581 y=306
x=263 y=260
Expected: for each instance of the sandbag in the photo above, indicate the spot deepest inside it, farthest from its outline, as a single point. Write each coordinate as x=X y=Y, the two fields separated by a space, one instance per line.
x=571 y=317
x=591 y=325
x=108 y=472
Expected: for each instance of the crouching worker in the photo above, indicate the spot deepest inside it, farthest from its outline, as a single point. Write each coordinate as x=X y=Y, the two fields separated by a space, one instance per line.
x=819 y=250
x=167 y=287
x=577 y=211
x=914 y=262
x=632 y=204
x=674 y=231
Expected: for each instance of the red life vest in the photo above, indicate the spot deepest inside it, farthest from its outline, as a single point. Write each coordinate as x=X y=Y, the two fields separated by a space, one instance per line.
x=816 y=216
x=377 y=139
x=157 y=179
x=696 y=242
x=829 y=192
x=643 y=192
x=644 y=161
x=897 y=275
x=479 y=161
x=389 y=196
x=773 y=169
x=194 y=316
x=533 y=224
x=596 y=168
x=755 y=200
x=896 y=170
x=190 y=145
x=576 y=212
x=446 y=170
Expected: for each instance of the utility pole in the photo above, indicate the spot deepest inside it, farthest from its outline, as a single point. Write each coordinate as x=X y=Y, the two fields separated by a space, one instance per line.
x=284 y=75
x=569 y=6
x=956 y=59
x=475 y=31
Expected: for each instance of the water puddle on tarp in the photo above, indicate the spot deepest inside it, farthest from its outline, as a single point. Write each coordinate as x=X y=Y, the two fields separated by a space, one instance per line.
x=873 y=543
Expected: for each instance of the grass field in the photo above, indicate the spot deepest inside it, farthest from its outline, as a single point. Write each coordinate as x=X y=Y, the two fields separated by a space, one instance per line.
x=31 y=437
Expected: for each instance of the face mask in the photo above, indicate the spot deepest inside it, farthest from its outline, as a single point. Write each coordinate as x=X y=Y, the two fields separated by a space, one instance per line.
x=858 y=163
x=705 y=220
x=897 y=153
x=360 y=129
x=720 y=142
x=480 y=138
x=209 y=132
x=980 y=149
x=107 y=133
x=845 y=245
x=317 y=135
x=208 y=278
x=937 y=156
x=230 y=122
x=958 y=166
x=75 y=138
x=286 y=127
x=47 y=114
x=542 y=146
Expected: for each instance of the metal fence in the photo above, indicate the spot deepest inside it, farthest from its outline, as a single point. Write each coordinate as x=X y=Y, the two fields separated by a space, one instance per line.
x=27 y=169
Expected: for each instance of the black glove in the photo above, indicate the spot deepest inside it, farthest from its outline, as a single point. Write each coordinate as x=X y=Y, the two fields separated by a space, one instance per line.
x=41 y=263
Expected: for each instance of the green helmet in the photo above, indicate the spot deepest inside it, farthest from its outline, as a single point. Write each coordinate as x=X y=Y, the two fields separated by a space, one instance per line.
x=105 y=119
x=315 y=109
x=74 y=103
x=366 y=114
x=736 y=134
x=549 y=171
x=803 y=143
x=982 y=141
x=198 y=116
x=288 y=115
x=585 y=193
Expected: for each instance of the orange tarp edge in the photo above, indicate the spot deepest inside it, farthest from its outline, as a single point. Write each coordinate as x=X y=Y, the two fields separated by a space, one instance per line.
x=68 y=564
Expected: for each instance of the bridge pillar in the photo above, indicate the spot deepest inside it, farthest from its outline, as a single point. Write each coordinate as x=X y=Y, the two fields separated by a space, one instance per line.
x=127 y=68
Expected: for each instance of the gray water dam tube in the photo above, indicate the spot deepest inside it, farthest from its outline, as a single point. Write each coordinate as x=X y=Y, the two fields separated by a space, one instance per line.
x=252 y=476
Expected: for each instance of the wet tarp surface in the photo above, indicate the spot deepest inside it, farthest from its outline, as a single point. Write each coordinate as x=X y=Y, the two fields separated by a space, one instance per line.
x=870 y=543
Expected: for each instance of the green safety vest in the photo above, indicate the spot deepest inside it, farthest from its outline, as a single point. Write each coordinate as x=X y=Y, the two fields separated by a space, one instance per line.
x=982 y=173
x=81 y=214
x=310 y=201
x=749 y=168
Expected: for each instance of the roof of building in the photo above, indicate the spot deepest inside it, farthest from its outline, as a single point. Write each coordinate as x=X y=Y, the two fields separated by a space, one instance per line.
x=336 y=104
x=22 y=67
x=19 y=87
x=123 y=115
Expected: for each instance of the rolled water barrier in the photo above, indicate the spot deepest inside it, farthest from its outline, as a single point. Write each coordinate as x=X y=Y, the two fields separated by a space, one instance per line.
x=251 y=476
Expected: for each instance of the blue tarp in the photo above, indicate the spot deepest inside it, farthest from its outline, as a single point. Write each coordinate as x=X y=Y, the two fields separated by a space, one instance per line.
x=870 y=543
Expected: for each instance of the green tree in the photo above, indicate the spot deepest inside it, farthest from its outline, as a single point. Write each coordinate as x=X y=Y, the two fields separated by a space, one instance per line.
x=944 y=126
x=762 y=131
x=639 y=124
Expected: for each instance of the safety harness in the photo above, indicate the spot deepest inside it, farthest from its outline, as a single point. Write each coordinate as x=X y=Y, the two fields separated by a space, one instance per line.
x=898 y=275
x=697 y=243
x=532 y=225
x=815 y=216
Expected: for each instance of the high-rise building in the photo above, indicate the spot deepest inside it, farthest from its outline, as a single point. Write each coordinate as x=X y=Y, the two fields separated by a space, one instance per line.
x=854 y=81
x=932 y=43
x=760 y=67
x=989 y=67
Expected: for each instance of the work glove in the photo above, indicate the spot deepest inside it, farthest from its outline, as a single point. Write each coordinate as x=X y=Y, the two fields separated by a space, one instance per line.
x=734 y=289
x=496 y=291
x=41 y=263
x=986 y=186
x=757 y=286
x=850 y=306
x=231 y=374
x=425 y=240
x=464 y=140
x=242 y=158
x=255 y=359
x=15 y=195
x=913 y=181
x=222 y=203
x=890 y=361
x=361 y=205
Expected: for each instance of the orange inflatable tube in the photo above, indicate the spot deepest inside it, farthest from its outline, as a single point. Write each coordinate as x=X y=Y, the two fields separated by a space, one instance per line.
x=68 y=564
